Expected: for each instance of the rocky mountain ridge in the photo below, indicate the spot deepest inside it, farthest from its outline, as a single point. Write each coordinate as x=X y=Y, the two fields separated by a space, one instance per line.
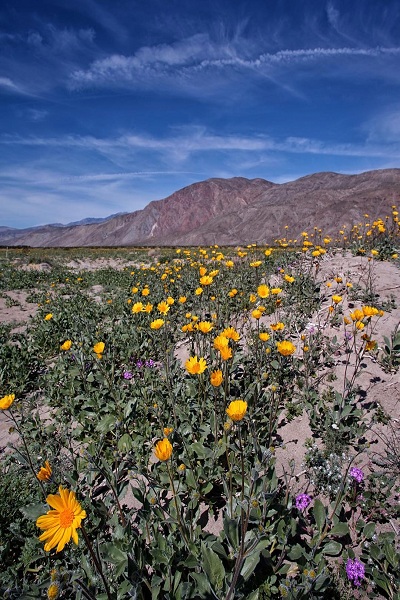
x=231 y=211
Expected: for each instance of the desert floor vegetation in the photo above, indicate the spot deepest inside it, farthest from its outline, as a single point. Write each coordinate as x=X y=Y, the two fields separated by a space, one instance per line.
x=202 y=423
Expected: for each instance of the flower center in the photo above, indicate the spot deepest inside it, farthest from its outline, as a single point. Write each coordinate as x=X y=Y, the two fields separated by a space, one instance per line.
x=66 y=518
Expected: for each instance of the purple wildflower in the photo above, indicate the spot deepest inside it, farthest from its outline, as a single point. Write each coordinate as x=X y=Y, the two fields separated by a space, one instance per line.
x=139 y=364
x=150 y=363
x=302 y=501
x=127 y=375
x=356 y=474
x=347 y=336
x=355 y=571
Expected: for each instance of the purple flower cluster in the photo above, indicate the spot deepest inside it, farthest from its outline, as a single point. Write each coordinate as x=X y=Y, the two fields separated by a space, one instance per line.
x=355 y=571
x=302 y=501
x=145 y=363
x=356 y=474
x=128 y=375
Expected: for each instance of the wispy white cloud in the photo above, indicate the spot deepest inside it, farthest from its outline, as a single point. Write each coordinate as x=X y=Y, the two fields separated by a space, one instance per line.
x=191 y=140
x=384 y=127
x=191 y=56
x=8 y=85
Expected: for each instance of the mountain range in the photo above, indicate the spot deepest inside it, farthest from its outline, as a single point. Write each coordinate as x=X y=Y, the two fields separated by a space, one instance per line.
x=233 y=211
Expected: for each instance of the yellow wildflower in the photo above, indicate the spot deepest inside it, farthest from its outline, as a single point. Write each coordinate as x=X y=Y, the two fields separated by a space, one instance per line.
x=6 y=401
x=163 y=449
x=60 y=525
x=216 y=378
x=45 y=472
x=204 y=326
x=163 y=307
x=99 y=347
x=195 y=365
x=264 y=336
x=279 y=326
x=231 y=333
x=137 y=307
x=157 y=324
x=286 y=348
x=226 y=353
x=66 y=345
x=263 y=291
x=206 y=280
x=237 y=410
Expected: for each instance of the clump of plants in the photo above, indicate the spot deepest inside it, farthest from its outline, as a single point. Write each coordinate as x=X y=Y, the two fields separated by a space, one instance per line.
x=146 y=418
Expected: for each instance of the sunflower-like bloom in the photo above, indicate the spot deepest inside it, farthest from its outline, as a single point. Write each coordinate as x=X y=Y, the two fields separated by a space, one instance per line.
x=231 y=334
x=45 y=472
x=137 y=307
x=167 y=431
x=357 y=315
x=264 y=336
x=225 y=352
x=157 y=323
x=263 y=291
x=370 y=311
x=195 y=366
x=204 y=326
x=285 y=348
x=163 y=449
x=206 y=280
x=236 y=410
x=6 y=401
x=66 y=345
x=336 y=299
x=99 y=347
x=48 y=317
x=279 y=326
x=53 y=591
x=221 y=341
x=60 y=524
x=163 y=307
x=216 y=378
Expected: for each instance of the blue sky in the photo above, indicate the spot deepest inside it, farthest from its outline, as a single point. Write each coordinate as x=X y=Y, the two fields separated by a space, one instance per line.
x=109 y=104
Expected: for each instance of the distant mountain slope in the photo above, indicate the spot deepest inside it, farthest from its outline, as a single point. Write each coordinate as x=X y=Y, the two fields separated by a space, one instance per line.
x=231 y=211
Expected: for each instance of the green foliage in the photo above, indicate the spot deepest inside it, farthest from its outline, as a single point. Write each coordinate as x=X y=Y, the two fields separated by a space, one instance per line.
x=218 y=519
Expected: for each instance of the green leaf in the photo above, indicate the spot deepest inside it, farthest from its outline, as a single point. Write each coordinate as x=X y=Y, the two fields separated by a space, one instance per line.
x=231 y=529
x=106 y=424
x=391 y=555
x=202 y=585
x=295 y=552
x=319 y=514
x=33 y=511
x=340 y=529
x=201 y=450
x=213 y=567
x=369 y=530
x=125 y=443
x=253 y=559
x=332 y=548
